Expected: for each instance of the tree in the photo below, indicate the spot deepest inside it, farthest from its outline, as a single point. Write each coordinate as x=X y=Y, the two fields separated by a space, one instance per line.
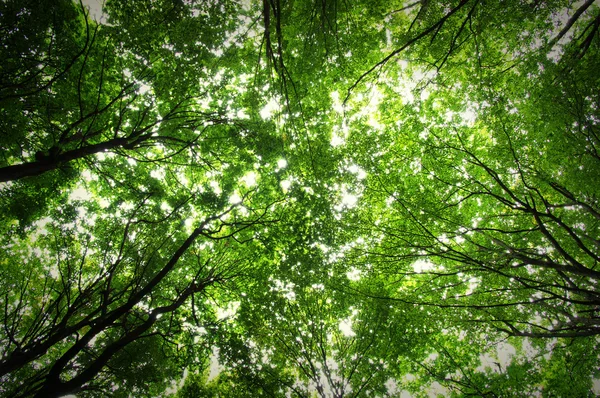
x=115 y=109
x=117 y=100
x=102 y=297
x=318 y=347
x=511 y=222
x=112 y=273
x=333 y=199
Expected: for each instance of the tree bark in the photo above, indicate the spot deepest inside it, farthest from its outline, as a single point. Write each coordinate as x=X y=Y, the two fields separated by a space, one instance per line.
x=18 y=171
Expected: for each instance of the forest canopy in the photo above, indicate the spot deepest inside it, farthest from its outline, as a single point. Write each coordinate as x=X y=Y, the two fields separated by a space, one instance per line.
x=243 y=198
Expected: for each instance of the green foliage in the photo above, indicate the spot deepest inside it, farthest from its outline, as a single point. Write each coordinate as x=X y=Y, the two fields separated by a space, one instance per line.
x=301 y=198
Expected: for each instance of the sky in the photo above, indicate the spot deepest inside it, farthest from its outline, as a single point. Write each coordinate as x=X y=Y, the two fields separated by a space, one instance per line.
x=95 y=7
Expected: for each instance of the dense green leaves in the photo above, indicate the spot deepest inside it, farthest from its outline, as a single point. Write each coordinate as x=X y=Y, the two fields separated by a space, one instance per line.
x=300 y=198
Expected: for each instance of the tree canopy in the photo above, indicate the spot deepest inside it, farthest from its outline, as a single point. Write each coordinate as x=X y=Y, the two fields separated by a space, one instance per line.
x=300 y=198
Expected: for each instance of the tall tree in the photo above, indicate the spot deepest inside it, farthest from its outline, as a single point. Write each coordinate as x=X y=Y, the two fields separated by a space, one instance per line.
x=495 y=209
x=302 y=198
x=92 y=292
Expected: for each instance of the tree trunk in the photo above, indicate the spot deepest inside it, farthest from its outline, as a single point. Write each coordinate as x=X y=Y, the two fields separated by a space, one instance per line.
x=18 y=171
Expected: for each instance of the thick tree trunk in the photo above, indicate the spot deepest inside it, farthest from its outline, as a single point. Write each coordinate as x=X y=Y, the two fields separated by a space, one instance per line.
x=18 y=171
